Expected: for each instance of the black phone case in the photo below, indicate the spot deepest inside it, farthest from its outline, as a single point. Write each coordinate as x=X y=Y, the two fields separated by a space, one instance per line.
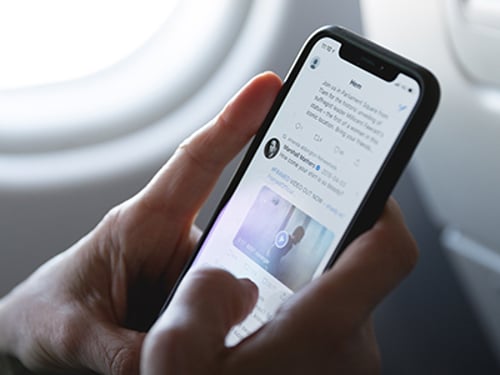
x=373 y=203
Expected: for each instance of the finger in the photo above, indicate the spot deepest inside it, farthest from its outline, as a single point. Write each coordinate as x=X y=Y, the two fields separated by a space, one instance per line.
x=366 y=272
x=326 y=318
x=186 y=180
x=189 y=337
x=82 y=342
x=377 y=261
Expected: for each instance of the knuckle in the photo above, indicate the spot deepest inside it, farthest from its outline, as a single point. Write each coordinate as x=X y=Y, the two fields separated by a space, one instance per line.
x=199 y=152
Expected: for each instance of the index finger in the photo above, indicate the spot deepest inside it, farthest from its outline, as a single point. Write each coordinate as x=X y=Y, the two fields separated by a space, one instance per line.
x=183 y=184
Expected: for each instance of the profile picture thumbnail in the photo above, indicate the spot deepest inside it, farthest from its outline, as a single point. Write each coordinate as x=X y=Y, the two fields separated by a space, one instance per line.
x=272 y=148
x=282 y=239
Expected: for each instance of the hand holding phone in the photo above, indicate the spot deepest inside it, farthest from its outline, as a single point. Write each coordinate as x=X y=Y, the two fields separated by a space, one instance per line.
x=319 y=171
x=325 y=327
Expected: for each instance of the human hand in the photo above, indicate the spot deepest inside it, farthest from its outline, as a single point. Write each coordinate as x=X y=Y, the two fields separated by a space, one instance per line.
x=324 y=328
x=88 y=308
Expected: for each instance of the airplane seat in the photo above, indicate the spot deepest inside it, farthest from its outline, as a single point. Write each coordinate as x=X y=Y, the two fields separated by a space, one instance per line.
x=457 y=165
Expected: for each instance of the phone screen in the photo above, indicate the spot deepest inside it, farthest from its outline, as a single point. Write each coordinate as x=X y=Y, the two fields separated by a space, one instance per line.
x=317 y=161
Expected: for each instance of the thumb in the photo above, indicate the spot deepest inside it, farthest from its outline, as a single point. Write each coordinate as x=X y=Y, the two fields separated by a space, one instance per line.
x=371 y=266
x=189 y=337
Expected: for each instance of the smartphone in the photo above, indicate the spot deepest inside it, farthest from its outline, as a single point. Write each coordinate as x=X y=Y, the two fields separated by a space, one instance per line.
x=320 y=169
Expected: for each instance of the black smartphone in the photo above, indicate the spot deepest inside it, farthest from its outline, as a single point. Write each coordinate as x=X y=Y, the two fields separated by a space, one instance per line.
x=320 y=169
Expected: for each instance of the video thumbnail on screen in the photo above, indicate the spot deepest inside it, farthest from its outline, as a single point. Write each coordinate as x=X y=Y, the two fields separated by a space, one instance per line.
x=282 y=239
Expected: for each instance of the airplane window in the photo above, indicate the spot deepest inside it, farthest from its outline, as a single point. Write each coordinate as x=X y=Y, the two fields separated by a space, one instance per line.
x=130 y=113
x=84 y=72
x=57 y=40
